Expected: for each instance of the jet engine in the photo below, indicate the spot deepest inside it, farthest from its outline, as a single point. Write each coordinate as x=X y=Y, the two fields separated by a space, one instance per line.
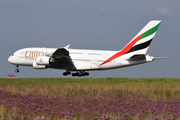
x=36 y=66
x=43 y=60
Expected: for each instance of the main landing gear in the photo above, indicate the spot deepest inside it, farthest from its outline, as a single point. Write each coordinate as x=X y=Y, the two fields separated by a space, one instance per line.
x=66 y=73
x=78 y=73
x=17 y=70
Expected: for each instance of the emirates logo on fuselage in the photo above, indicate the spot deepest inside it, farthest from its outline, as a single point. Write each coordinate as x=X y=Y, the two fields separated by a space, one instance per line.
x=41 y=60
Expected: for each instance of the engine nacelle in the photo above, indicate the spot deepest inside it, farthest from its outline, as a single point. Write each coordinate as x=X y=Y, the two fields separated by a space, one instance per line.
x=43 y=60
x=36 y=66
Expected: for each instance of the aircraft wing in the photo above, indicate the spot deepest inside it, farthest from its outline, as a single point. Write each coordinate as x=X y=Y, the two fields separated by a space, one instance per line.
x=62 y=59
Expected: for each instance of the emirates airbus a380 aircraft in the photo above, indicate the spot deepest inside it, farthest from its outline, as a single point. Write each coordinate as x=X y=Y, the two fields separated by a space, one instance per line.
x=80 y=61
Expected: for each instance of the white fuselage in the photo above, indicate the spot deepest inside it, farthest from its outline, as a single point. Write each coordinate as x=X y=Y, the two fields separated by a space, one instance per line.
x=82 y=59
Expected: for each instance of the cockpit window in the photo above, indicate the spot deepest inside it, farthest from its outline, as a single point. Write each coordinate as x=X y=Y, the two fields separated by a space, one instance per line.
x=13 y=54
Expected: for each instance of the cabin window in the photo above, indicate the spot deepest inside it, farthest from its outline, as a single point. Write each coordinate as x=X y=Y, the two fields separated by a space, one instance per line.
x=100 y=60
x=75 y=53
x=94 y=54
x=81 y=60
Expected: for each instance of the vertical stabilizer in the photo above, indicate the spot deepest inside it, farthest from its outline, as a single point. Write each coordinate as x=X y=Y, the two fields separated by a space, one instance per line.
x=140 y=43
x=143 y=39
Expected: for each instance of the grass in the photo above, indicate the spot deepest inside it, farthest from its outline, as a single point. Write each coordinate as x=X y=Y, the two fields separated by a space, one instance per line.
x=156 y=88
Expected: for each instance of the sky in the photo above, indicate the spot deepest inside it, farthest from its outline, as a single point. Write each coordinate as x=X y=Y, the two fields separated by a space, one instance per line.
x=92 y=24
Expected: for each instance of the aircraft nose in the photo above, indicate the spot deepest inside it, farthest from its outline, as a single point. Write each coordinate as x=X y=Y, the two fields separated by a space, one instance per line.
x=10 y=59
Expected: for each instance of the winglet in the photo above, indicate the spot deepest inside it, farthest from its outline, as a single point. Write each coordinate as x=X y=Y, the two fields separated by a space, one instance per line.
x=67 y=47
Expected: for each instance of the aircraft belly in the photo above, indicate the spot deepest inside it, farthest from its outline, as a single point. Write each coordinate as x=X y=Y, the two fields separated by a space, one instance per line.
x=120 y=64
x=82 y=65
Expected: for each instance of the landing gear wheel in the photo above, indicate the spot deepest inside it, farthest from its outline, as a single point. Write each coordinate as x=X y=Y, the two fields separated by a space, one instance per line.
x=68 y=72
x=65 y=73
x=73 y=74
x=79 y=74
x=86 y=73
x=16 y=70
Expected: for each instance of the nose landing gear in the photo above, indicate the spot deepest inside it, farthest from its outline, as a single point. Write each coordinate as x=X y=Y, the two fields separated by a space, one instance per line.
x=17 y=70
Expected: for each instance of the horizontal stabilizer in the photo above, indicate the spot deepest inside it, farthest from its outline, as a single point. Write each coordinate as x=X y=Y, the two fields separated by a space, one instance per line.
x=137 y=57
